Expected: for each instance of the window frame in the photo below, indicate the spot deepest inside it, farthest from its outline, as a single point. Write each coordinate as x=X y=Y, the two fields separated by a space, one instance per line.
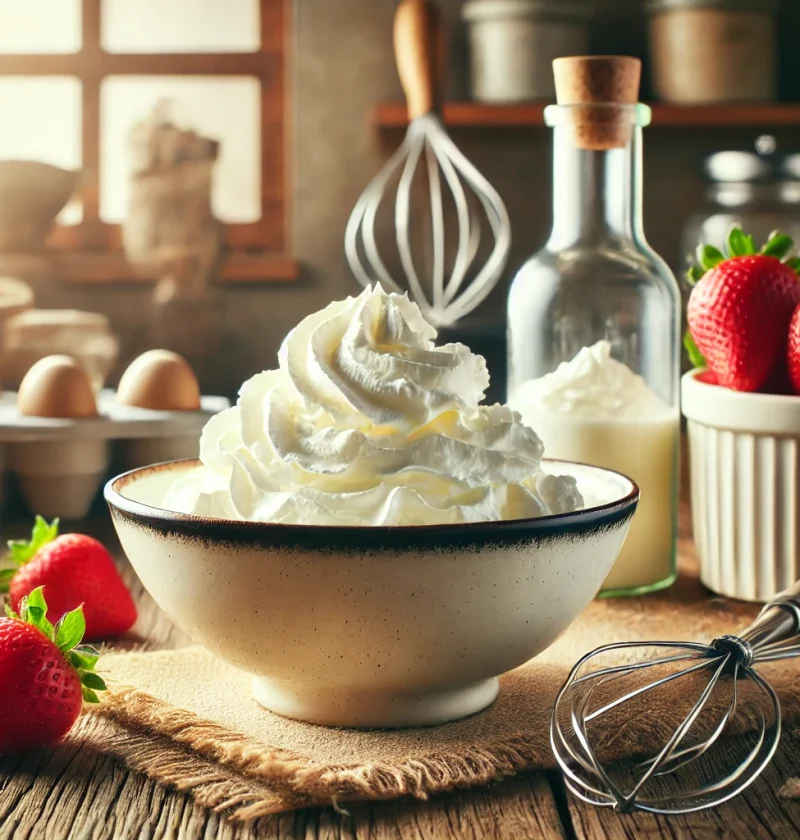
x=91 y=251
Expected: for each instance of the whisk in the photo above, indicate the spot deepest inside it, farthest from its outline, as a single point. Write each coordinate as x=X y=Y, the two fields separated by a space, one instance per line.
x=419 y=49
x=661 y=787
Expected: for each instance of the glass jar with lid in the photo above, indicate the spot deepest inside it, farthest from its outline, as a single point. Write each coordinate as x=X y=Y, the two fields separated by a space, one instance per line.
x=758 y=190
x=594 y=316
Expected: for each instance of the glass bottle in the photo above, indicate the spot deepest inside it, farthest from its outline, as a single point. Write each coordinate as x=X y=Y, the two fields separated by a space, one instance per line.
x=598 y=289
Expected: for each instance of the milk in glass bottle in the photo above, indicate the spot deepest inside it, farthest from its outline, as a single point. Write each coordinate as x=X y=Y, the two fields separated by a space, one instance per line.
x=593 y=317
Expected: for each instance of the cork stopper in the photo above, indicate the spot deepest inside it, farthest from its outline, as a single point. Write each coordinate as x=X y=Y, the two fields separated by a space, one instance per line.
x=594 y=82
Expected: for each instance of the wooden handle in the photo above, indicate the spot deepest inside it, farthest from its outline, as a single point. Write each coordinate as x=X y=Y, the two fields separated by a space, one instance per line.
x=419 y=51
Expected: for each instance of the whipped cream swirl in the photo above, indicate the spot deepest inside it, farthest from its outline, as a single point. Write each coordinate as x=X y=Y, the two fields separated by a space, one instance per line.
x=367 y=422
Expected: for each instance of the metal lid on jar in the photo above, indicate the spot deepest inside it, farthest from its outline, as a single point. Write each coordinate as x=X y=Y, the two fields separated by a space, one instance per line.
x=790 y=167
x=493 y=9
x=767 y=7
x=738 y=166
x=762 y=164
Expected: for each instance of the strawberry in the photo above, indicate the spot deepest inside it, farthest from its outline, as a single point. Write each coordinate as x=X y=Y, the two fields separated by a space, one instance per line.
x=740 y=309
x=707 y=377
x=778 y=380
x=76 y=570
x=793 y=354
x=44 y=675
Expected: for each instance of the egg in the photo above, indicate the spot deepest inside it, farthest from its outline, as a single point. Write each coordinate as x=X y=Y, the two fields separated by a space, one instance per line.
x=56 y=386
x=160 y=380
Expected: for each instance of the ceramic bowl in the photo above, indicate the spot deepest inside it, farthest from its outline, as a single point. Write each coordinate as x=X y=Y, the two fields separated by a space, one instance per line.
x=372 y=627
x=744 y=455
x=32 y=194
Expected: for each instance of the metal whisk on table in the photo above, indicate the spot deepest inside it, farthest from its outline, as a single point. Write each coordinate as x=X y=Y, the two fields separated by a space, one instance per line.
x=453 y=288
x=597 y=697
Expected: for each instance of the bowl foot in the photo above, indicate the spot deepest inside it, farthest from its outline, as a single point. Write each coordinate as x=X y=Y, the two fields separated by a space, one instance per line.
x=361 y=709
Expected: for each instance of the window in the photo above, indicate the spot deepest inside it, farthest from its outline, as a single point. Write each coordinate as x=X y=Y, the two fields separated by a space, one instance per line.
x=75 y=75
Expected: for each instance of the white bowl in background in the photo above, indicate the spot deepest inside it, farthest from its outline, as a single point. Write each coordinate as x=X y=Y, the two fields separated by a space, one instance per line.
x=372 y=626
x=32 y=194
x=745 y=475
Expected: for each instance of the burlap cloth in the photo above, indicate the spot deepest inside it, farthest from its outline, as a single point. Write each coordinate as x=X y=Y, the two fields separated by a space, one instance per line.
x=189 y=720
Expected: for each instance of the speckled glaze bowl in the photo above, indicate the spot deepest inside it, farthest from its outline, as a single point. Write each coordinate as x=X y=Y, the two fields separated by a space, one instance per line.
x=372 y=627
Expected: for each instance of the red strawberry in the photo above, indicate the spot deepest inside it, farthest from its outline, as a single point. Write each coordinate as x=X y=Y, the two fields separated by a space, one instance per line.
x=793 y=354
x=778 y=379
x=707 y=377
x=740 y=309
x=44 y=675
x=76 y=570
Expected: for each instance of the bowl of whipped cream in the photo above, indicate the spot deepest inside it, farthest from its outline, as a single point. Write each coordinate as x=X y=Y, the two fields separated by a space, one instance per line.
x=363 y=536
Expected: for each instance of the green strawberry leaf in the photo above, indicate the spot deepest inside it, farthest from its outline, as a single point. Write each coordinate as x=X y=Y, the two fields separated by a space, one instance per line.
x=779 y=245
x=38 y=618
x=33 y=610
x=709 y=257
x=22 y=551
x=9 y=612
x=694 y=275
x=93 y=681
x=739 y=244
x=695 y=356
x=69 y=630
x=6 y=576
x=90 y=681
x=35 y=599
x=83 y=659
x=89 y=696
x=794 y=263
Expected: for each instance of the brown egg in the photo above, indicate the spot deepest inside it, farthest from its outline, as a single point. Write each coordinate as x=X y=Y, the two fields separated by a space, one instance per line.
x=56 y=386
x=161 y=380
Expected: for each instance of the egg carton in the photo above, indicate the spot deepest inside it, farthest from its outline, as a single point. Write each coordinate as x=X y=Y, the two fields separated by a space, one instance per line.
x=60 y=463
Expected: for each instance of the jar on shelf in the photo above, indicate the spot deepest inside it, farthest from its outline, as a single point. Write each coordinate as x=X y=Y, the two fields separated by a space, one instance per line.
x=708 y=51
x=593 y=317
x=758 y=190
x=512 y=43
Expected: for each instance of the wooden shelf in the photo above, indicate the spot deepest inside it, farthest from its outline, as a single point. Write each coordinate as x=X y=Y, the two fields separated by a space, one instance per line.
x=109 y=267
x=480 y=115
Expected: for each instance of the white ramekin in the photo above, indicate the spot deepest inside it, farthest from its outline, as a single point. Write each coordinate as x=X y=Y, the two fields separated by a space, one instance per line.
x=745 y=469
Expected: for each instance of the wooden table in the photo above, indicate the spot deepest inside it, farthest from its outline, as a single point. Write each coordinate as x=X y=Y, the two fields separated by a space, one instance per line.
x=73 y=792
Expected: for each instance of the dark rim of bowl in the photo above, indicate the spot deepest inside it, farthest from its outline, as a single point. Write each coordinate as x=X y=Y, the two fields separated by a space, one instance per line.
x=550 y=524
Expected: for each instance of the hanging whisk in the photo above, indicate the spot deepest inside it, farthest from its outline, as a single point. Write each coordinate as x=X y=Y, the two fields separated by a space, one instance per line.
x=724 y=677
x=454 y=287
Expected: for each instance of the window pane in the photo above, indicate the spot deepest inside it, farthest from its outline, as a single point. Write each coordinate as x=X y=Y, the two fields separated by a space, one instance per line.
x=41 y=119
x=152 y=26
x=226 y=109
x=40 y=26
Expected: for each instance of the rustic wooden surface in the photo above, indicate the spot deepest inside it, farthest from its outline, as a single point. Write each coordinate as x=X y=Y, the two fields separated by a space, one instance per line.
x=74 y=793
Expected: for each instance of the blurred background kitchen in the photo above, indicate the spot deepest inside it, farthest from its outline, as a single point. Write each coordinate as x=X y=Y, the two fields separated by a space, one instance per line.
x=213 y=152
